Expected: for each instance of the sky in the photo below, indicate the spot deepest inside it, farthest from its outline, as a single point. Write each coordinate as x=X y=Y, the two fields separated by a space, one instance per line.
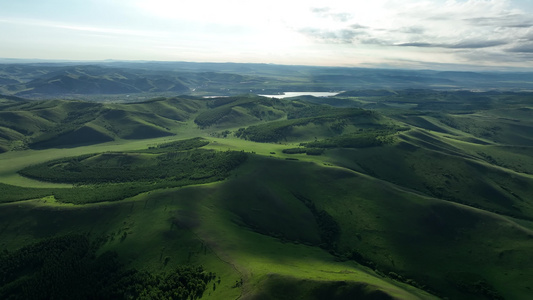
x=421 y=34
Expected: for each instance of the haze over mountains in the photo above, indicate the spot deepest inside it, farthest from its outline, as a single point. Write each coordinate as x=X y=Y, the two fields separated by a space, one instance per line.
x=37 y=80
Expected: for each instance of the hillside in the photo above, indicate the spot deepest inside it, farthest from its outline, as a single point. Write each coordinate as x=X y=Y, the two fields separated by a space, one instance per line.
x=97 y=80
x=61 y=123
x=137 y=81
x=372 y=194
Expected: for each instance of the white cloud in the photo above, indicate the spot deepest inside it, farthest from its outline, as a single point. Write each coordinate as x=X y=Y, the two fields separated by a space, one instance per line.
x=345 y=32
x=453 y=26
x=432 y=21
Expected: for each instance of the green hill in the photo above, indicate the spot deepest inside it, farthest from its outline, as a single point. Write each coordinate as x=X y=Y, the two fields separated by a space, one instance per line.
x=268 y=221
x=88 y=80
x=308 y=122
x=231 y=112
x=399 y=231
x=62 y=123
x=443 y=174
x=427 y=196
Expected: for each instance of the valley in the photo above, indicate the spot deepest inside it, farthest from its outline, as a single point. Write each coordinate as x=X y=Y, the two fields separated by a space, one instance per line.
x=381 y=192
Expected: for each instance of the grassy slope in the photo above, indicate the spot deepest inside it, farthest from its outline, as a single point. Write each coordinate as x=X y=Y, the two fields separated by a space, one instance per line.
x=407 y=237
x=464 y=180
x=203 y=220
x=60 y=123
x=140 y=231
x=401 y=230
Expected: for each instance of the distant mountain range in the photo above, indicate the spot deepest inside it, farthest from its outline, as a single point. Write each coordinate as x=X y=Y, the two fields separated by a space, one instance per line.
x=66 y=79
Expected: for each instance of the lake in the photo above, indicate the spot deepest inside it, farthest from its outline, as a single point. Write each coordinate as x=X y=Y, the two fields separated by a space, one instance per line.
x=296 y=94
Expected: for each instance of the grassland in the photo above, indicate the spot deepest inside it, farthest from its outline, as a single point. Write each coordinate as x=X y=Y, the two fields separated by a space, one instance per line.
x=415 y=199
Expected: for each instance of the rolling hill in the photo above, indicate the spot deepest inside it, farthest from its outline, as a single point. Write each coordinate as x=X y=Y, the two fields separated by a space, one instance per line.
x=133 y=81
x=62 y=123
x=97 y=80
x=425 y=196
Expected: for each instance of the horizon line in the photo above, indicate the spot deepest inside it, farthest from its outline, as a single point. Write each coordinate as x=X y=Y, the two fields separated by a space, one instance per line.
x=441 y=67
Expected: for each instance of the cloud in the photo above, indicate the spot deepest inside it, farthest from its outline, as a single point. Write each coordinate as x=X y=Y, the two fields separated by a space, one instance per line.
x=412 y=30
x=473 y=44
x=522 y=48
x=374 y=41
x=510 y=21
x=459 y=45
x=357 y=26
x=451 y=27
x=501 y=58
x=445 y=31
x=326 y=12
x=320 y=10
x=342 y=17
x=418 y=45
x=342 y=36
x=528 y=36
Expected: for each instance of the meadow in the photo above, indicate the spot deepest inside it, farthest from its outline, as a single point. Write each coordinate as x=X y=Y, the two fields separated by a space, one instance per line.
x=396 y=194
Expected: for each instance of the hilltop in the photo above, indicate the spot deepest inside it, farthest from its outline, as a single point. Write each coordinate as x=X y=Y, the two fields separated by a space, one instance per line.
x=372 y=194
